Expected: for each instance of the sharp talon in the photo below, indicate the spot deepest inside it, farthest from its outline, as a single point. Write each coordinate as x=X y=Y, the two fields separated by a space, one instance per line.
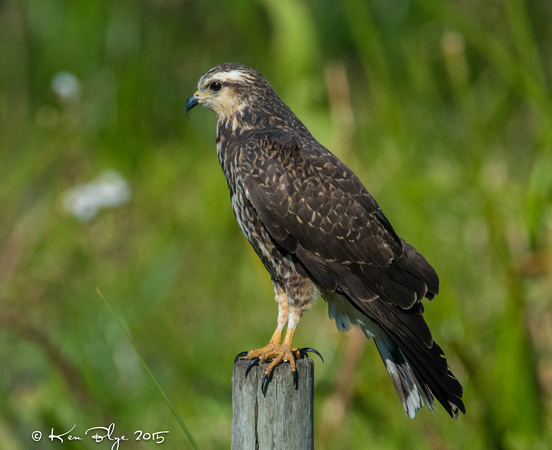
x=265 y=381
x=240 y=356
x=254 y=362
x=295 y=379
x=304 y=352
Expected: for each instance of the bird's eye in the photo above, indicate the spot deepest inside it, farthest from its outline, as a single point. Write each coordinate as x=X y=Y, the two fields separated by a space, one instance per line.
x=215 y=86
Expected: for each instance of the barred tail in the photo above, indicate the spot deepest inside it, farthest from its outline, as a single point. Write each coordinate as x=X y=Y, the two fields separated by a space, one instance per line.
x=418 y=376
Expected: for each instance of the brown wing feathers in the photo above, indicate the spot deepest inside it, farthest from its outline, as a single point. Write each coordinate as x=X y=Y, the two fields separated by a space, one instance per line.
x=316 y=209
x=305 y=208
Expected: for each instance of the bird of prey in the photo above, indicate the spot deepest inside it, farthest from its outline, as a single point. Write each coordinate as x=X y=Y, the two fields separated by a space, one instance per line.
x=319 y=233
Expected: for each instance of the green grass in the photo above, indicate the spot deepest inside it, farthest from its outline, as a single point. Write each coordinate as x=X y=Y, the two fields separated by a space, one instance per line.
x=442 y=108
x=149 y=372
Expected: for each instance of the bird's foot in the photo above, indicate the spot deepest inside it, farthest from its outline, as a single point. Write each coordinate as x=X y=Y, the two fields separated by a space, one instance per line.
x=275 y=354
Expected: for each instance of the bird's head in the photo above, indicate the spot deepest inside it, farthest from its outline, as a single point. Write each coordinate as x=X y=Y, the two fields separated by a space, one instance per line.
x=228 y=89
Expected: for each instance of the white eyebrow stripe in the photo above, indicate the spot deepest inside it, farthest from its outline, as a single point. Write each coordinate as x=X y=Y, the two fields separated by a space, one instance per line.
x=234 y=75
x=224 y=77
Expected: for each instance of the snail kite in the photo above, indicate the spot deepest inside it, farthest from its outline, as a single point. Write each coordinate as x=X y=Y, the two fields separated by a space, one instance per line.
x=320 y=233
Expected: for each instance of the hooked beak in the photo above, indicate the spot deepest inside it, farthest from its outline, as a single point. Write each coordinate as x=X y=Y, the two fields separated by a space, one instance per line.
x=190 y=103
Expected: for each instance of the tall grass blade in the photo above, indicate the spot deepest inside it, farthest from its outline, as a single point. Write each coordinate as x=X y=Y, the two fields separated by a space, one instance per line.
x=151 y=375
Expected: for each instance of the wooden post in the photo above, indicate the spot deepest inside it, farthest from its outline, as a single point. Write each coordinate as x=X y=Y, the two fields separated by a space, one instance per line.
x=281 y=420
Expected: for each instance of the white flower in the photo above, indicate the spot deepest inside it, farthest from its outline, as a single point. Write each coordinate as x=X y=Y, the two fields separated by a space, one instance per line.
x=109 y=190
x=66 y=86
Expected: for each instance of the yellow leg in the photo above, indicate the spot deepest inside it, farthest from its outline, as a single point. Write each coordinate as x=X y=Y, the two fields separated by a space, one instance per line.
x=277 y=351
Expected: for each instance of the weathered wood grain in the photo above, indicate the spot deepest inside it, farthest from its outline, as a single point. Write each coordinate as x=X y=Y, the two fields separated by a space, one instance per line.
x=281 y=420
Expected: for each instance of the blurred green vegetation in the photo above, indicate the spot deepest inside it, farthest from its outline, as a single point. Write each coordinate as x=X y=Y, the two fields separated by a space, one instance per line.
x=444 y=110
